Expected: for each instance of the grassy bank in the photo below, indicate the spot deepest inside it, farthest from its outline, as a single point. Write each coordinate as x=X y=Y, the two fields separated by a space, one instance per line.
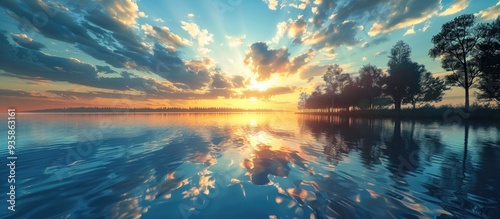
x=450 y=114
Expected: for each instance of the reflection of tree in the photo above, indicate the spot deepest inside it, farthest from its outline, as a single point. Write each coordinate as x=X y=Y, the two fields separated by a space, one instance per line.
x=342 y=135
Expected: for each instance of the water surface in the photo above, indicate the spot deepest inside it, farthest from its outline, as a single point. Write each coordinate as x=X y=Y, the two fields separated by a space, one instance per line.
x=269 y=165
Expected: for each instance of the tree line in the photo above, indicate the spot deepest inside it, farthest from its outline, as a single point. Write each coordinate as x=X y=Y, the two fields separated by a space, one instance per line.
x=470 y=51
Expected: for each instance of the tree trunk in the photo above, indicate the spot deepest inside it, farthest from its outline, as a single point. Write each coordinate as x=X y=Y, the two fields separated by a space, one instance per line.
x=467 y=99
x=397 y=105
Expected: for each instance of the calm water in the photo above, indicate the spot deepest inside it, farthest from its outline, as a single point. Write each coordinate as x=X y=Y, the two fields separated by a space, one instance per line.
x=252 y=166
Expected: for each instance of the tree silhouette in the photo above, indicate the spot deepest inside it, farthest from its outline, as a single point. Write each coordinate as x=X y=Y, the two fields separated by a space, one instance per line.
x=404 y=74
x=330 y=78
x=429 y=89
x=455 y=45
x=370 y=83
x=488 y=60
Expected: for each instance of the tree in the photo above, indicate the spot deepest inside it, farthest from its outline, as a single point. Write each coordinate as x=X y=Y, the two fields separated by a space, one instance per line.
x=430 y=89
x=455 y=45
x=302 y=101
x=404 y=75
x=330 y=78
x=488 y=60
x=369 y=82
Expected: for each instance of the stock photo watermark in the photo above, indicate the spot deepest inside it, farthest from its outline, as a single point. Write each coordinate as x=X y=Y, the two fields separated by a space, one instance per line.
x=11 y=159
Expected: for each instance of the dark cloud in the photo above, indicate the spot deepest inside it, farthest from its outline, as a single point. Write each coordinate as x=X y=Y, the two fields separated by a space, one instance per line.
x=300 y=60
x=21 y=93
x=359 y=9
x=26 y=42
x=323 y=11
x=238 y=81
x=404 y=14
x=106 y=69
x=376 y=41
x=335 y=35
x=219 y=81
x=265 y=61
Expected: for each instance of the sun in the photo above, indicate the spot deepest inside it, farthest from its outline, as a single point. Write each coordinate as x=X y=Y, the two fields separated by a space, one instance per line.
x=260 y=85
x=253 y=99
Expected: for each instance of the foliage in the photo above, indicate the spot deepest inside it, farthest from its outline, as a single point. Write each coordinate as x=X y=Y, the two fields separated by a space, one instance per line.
x=456 y=45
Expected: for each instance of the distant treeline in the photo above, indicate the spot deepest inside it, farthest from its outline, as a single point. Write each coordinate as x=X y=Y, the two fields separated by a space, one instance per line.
x=161 y=109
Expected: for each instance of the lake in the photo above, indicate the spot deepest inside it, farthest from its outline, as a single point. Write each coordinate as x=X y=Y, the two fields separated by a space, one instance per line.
x=251 y=165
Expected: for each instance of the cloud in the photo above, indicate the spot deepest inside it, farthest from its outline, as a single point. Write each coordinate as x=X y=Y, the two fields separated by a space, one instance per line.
x=456 y=7
x=235 y=41
x=191 y=15
x=379 y=53
x=310 y=71
x=426 y=26
x=271 y=4
x=123 y=11
x=106 y=69
x=21 y=93
x=334 y=35
x=301 y=4
x=404 y=14
x=238 y=81
x=490 y=13
x=322 y=11
x=264 y=61
x=296 y=29
x=164 y=35
x=410 y=31
x=357 y=9
x=273 y=91
x=203 y=37
x=364 y=59
x=375 y=42
x=281 y=29
x=220 y=81
x=26 y=42
x=159 y=20
x=299 y=61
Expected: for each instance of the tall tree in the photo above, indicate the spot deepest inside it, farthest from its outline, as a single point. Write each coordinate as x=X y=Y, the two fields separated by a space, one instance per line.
x=403 y=77
x=488 y=60
x=330 y=78
x=302 y=101
x=369 y=82
x=455 y=45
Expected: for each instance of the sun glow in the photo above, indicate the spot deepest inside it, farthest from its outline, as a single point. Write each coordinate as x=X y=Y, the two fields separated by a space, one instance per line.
x=253 y=99
x=260 y=85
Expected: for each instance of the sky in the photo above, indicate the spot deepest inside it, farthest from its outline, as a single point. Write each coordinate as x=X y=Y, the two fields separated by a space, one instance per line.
x=215 y=53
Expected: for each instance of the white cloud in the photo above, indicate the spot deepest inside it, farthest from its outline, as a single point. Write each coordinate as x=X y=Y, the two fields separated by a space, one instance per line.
x=124 y=11
x=426 y=26
x=235 y=41
x=364 y=59
x=490 y=13
x=191 y=15
x=142 y=14
x=159 y=20
x=456 y=7
x=271 y=4
x=202 y=36
x=281 y=26
x=410 y=31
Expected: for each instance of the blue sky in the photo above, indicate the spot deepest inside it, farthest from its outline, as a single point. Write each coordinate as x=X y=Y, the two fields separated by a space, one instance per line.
x=230 y=53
